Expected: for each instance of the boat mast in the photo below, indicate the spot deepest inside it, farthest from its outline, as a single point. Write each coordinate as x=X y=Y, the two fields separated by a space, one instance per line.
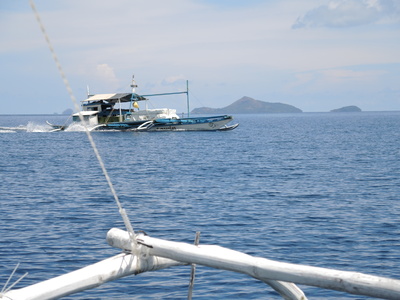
x=187 y=96
x=133 y=86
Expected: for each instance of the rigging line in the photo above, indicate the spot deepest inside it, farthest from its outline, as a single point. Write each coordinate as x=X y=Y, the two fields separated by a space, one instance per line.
x=5 y=289
x=66 y=121
x=92 y=143
x=198 y=100
x=19 y=279
x=9 y=278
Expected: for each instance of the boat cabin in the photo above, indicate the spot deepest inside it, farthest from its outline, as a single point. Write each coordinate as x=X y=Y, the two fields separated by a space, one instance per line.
x=102 y=109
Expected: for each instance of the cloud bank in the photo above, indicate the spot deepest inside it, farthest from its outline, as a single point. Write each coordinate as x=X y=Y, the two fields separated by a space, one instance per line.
x=348 y=13
x=225 y=51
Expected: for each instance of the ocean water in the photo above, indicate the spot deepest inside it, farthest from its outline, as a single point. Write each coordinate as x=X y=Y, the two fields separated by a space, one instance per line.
x=319 y=189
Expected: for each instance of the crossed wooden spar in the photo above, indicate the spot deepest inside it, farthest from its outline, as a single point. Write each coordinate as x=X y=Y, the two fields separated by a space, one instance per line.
x=154 y=254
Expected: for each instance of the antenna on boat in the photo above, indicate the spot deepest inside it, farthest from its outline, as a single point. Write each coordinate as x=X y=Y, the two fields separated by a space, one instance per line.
x=133 y=85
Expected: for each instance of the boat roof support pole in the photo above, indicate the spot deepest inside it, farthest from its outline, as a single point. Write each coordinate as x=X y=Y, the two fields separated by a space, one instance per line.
x=120 y=110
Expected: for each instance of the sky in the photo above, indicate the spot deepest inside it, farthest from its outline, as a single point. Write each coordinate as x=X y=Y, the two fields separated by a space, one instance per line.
x=316 y=55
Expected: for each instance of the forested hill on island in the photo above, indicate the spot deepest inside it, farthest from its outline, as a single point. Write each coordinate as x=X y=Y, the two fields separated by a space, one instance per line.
x=247 y=105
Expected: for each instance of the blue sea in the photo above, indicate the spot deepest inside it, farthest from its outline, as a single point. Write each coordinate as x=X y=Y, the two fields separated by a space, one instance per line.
x=320 y=189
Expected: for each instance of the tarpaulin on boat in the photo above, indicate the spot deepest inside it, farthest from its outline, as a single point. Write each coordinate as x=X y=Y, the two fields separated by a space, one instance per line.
x=123 y=97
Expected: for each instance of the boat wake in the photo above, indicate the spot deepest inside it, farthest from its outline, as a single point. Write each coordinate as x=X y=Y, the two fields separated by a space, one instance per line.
x=30 y=127
x=12 y=129
x=34 y=127
x=74 y=126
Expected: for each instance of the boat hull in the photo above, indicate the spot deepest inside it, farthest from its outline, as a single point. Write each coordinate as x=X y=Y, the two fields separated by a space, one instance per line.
x=190 y=124
x=214 y=123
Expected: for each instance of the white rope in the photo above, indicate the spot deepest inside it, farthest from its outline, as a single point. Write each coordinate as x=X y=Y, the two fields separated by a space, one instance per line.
x=9 y=278
x=5 y=289
x=92 y=143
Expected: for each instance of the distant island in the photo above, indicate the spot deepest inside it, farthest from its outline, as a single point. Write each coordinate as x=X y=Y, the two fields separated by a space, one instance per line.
x=68 y=112
x=247 y=105
x=351 y=108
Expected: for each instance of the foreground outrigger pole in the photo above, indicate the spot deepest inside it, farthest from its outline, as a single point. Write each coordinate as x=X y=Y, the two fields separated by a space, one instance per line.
x=154 y=254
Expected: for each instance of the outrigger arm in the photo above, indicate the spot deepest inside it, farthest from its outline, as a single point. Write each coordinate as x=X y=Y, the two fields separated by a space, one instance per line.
x=132 y=262
x=175 y=93
x=154 y=254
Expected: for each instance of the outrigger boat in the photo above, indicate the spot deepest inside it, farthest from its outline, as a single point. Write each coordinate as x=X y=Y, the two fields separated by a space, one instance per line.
x=105 y=112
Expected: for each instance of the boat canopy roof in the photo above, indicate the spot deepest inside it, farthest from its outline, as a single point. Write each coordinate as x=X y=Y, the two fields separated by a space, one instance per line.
x=85 y=113
x=113 y=98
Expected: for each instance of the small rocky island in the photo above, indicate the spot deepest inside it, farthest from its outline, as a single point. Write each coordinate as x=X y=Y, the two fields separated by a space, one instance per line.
x=351 y=108
x=247 y=105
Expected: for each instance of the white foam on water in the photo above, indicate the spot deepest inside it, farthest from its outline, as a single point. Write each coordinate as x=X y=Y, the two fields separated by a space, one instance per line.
x=34 y=127
x=75 y=127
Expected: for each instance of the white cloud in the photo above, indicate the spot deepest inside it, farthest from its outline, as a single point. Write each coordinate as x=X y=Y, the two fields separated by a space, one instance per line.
x=105 y=74
x=333 y=80
x=340 y=75
x=174 y=78
x=347 y=13
x=365 y=86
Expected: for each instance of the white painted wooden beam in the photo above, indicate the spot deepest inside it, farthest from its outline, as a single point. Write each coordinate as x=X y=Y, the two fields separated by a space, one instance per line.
x=212 y=257
x=90 y=277
x=264 y=269
x=155 y=254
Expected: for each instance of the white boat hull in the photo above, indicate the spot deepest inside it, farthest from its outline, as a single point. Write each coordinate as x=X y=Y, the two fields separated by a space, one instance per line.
x=210 y=126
